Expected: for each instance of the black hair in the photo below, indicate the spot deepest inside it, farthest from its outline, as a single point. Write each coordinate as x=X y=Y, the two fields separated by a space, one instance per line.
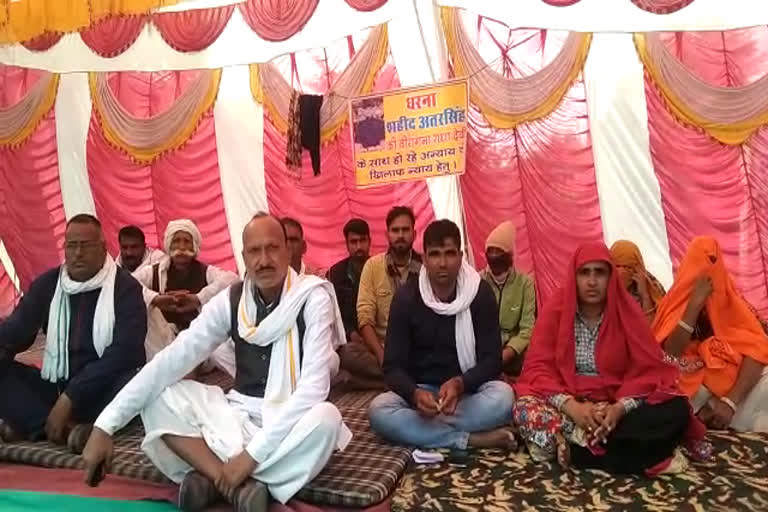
x=358 y=227
x=438 y=231
x=131 y=232
x=290 y=221
x=84 y=218
x=400 y=211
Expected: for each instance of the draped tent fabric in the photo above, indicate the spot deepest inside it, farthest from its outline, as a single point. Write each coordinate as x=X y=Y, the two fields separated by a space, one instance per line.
x=504 y=102
x=729 y=114
x=662 y=6
x=31 y=18
x=323 y=204
x=540 y=175
x=192 y=31
x=43 y=42
x=19 y=120
x=709 y=188
x=8 y=293
x=366 y=5
x=112 y=36
x=145 y=139
x=277 y=20
x=272 y=89
x=183 y=183
x=31 y=207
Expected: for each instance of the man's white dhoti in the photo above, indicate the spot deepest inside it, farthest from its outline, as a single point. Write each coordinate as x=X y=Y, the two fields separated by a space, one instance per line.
x=752 y=413
x=192 y=409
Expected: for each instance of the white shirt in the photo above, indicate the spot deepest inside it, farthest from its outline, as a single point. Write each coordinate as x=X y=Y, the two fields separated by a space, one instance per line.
x=204 y=335
x=216 y=278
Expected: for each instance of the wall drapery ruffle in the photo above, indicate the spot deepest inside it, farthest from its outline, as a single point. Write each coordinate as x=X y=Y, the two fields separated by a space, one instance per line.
x=519 y=174
x=709 y=188
x=31 y=205
x=28 y=19
x=186 y=31
x=654 y=6
x=144 y=139
x=507 y=102
x=270 y=88
x=184 y=183
x=277 y=20
x=18 y=121
x=729 y=114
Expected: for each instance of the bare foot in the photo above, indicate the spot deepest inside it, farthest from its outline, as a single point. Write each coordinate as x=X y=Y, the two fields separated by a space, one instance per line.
x=497 y=438
x=9 y=435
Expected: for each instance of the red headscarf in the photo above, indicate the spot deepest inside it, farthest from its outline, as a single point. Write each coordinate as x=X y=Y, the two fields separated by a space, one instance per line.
x=629 y=360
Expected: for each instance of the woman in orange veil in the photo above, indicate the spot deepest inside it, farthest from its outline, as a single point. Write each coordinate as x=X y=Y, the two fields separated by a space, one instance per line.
x=715 y=335
x=640 y=283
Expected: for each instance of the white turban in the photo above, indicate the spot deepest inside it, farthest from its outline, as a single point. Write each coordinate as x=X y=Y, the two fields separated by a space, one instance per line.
x=186 y=226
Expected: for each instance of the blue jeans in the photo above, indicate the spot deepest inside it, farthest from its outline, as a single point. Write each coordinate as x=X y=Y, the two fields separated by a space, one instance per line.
x=395 y=420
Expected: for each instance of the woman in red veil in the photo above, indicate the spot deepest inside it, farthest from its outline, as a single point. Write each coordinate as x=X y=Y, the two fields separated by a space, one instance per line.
x=596 y=389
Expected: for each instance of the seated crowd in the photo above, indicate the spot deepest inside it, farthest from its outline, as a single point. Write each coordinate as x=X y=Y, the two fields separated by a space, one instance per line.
x=612 y=373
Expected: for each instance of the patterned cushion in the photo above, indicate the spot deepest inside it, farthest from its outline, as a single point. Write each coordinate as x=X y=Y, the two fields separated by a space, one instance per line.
x=362 y=475
x=734 y=479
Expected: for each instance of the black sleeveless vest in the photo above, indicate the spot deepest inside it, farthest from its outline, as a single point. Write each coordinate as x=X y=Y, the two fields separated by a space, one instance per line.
x=252 y=361
x=195 y=281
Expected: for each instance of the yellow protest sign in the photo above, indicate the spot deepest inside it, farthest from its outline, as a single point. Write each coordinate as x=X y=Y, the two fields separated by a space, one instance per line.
x=409 y=134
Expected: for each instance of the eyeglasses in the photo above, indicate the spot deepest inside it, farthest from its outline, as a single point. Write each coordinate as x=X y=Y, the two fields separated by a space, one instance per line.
x=89 y=245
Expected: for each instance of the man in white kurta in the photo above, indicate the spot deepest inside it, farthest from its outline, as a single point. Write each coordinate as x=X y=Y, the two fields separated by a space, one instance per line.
x=178 y=286
x=282 y=438
x=134 y=253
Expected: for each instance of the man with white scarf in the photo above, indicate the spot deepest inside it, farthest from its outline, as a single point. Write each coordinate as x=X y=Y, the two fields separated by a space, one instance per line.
x=95 y=322
x=442 y=356
x=178 y=286
x=275 y=428
x=134 y=253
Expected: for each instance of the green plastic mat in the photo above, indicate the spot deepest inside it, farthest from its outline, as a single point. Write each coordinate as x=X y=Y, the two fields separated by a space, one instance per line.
x=13 y=501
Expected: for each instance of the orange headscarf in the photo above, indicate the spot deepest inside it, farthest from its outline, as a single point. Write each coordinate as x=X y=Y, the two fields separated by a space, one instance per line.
x=737 y=330
x=626 y=254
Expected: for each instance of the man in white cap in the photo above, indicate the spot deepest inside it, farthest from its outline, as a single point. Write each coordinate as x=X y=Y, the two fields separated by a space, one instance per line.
x=274 y=429
x=515 y=294
x=176 y=288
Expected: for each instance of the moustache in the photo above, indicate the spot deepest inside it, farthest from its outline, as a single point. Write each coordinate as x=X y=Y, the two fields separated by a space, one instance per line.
x=263 y=269
x=182 y=252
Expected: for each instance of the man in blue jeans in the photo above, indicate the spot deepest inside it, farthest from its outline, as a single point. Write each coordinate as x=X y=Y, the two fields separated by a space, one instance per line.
x=442 y=356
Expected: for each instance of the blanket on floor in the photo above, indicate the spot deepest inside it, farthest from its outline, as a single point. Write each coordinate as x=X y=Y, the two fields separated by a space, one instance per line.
x=734 y=479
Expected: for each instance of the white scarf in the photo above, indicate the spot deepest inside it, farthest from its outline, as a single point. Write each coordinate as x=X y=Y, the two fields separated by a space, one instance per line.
x=56 y=357
x=467 y=284
x=280 y=330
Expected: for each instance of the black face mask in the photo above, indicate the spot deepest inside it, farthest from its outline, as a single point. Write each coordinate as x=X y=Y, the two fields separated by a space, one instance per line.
x=499 y=264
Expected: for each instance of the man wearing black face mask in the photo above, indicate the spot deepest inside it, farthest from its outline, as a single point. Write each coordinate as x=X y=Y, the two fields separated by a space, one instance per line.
x=515 y=295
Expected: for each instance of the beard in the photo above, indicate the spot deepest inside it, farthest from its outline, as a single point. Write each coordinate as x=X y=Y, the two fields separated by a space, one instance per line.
x=401 y=248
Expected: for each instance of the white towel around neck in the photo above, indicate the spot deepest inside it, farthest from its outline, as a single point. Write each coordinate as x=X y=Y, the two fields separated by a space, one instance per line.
x=56 y=357
x=468 y=282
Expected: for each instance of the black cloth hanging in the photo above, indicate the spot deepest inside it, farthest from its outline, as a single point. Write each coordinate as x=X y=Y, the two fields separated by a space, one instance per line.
x=309 y=114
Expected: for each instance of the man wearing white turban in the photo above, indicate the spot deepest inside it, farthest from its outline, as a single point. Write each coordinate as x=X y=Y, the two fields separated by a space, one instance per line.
x=176 y=288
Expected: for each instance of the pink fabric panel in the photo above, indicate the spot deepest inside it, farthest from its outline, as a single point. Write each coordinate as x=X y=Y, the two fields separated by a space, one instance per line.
x=183 y=184
x=112 y=36
x=366 y=5
x=30 y=203
x=195 y=30
x=8 y=293
x=30 y=195
x=561 y=3
x=709 y=188
x=661 y=6
x=323 y=204
x=43 y=42
x=277 y=20
x=540 y=175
